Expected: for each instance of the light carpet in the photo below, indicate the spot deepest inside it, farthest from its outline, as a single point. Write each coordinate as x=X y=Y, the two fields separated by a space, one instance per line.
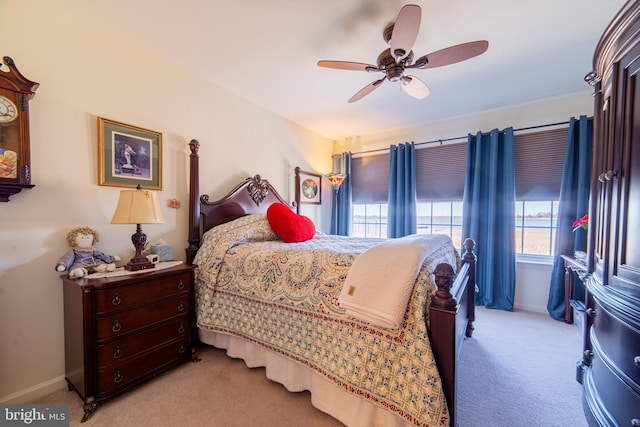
x=517 y=370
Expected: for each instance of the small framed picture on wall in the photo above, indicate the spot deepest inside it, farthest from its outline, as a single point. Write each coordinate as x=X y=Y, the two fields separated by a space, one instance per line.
x=129 y=156
x=308 y=187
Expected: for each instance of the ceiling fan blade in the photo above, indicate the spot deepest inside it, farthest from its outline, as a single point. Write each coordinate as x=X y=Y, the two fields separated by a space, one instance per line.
x=451 y=55
x=348 y=65
x=366 y=90
x=405 y=30
x=414 y=87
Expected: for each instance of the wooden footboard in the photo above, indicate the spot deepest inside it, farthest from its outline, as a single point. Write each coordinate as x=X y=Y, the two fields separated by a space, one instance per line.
x=451 y=316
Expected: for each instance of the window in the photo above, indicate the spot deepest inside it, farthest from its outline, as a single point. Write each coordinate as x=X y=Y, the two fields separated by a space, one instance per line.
x=369 y=220
x=436 y=213
x=536 y=227
x=539 y=162
x=441 y=218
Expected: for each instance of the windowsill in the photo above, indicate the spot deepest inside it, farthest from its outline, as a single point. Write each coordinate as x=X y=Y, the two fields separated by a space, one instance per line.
x=546 y=260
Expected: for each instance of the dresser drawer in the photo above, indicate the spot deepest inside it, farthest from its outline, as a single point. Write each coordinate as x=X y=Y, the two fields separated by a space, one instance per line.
x=121 y=350
x=618 y=340
x=116 y=377
x=620 y=400
x=119 y=324
x=125 y=297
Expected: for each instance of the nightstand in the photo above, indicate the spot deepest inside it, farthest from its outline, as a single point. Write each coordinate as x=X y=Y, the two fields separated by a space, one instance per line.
x=121 y=331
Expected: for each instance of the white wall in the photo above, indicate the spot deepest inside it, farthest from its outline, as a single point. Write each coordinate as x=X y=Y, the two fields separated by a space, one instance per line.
x=83 y=75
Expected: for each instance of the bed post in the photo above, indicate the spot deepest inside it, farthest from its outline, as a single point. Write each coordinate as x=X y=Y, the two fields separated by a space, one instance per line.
x=194 y=205
x=442 y=318
x=469 y=258
x=451 y=313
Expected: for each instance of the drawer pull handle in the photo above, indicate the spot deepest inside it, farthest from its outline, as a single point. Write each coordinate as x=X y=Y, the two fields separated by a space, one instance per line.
x=116 y=300
x=591 y=312
x=117 y=377
x=117 y=353
x=181 y=348
x=180 y=306
x=181 y=329
x=635 y=422
x=116 y=326
x=180 y=284
x=636 y=360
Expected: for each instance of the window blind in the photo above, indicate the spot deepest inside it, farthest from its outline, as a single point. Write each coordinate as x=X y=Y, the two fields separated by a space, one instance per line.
x=539 y=161
x=440 y=170
x=370 y=179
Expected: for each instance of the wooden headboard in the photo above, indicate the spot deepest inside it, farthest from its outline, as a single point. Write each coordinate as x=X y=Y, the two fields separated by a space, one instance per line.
x=253 y=195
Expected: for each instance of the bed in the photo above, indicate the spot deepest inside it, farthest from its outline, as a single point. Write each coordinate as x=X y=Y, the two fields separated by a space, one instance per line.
x=282 y=306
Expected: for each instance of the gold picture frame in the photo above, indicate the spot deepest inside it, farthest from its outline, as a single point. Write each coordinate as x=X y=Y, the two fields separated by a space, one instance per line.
x=129 y=155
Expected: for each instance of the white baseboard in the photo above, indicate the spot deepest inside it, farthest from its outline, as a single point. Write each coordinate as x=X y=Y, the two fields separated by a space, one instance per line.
x=38 y=391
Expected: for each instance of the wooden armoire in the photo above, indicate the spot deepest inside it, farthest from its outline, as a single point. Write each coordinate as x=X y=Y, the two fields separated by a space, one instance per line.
x=610 y=366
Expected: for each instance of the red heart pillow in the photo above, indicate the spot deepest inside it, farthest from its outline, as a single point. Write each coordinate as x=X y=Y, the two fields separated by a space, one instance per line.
x=290 y=226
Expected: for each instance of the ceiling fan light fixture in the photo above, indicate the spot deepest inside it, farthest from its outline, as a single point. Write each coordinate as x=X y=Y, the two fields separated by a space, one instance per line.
x=394 y=74
x=414 y=87
x=401 y=36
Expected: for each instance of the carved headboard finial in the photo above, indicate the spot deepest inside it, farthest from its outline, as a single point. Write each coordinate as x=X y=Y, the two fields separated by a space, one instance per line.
x=258 y=188
x=194 y=145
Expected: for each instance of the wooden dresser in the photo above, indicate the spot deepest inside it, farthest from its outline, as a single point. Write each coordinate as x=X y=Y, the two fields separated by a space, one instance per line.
x=120 y=331
x=610 y=367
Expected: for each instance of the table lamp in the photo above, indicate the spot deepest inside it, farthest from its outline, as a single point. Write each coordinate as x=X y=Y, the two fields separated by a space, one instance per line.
x=138 y=207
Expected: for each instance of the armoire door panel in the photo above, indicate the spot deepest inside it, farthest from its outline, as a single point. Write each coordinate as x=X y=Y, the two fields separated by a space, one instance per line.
x=625 y=266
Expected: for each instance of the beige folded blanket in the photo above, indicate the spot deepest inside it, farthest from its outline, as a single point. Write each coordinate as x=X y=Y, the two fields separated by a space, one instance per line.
x=380 y=281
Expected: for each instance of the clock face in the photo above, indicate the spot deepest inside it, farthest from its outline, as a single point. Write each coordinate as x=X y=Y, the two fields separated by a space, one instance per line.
x=8 y=110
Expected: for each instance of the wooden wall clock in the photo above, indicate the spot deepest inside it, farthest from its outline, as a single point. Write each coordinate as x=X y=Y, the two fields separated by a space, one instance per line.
x=15 y=154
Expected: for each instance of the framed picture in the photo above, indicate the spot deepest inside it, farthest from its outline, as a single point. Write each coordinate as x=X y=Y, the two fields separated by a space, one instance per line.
x=308 y=187
x=128 y=155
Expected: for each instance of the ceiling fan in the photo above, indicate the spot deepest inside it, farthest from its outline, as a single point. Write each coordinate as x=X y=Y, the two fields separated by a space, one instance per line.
x=401 y=35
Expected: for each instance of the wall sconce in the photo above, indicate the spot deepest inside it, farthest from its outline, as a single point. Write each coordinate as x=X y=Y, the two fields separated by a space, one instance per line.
x=336 y=180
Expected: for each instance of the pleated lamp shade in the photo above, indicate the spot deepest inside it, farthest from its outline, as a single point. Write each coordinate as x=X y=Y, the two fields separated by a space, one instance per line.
x=137 y=207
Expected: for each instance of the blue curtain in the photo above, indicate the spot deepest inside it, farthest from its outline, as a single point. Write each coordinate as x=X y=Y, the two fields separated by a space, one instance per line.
x=488 y=215
x=574 y=203
x=341 y=200
x=402 y=219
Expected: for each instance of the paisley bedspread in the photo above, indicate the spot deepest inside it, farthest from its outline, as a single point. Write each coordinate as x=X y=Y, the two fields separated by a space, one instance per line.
x=284 y=297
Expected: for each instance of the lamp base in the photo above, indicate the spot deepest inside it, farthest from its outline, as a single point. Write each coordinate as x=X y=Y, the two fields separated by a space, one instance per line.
x=139 y=261
x=136 y=264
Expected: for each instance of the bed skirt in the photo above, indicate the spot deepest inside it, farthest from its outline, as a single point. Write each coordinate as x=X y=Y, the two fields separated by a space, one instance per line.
x=325 y=396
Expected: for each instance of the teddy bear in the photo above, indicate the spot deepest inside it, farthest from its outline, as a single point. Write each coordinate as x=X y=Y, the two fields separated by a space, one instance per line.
x=83 y=259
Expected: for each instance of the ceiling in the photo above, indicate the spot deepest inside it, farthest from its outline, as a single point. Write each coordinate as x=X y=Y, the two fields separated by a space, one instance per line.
x=266 y=52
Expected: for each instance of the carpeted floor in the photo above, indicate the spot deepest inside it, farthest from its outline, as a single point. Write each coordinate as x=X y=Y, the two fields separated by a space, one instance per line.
x=517 y=370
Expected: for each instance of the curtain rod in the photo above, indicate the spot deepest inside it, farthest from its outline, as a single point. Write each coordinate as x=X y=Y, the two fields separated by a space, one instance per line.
x=440 y=141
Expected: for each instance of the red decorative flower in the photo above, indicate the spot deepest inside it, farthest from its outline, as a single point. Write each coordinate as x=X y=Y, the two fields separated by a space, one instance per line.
x=581 y=223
